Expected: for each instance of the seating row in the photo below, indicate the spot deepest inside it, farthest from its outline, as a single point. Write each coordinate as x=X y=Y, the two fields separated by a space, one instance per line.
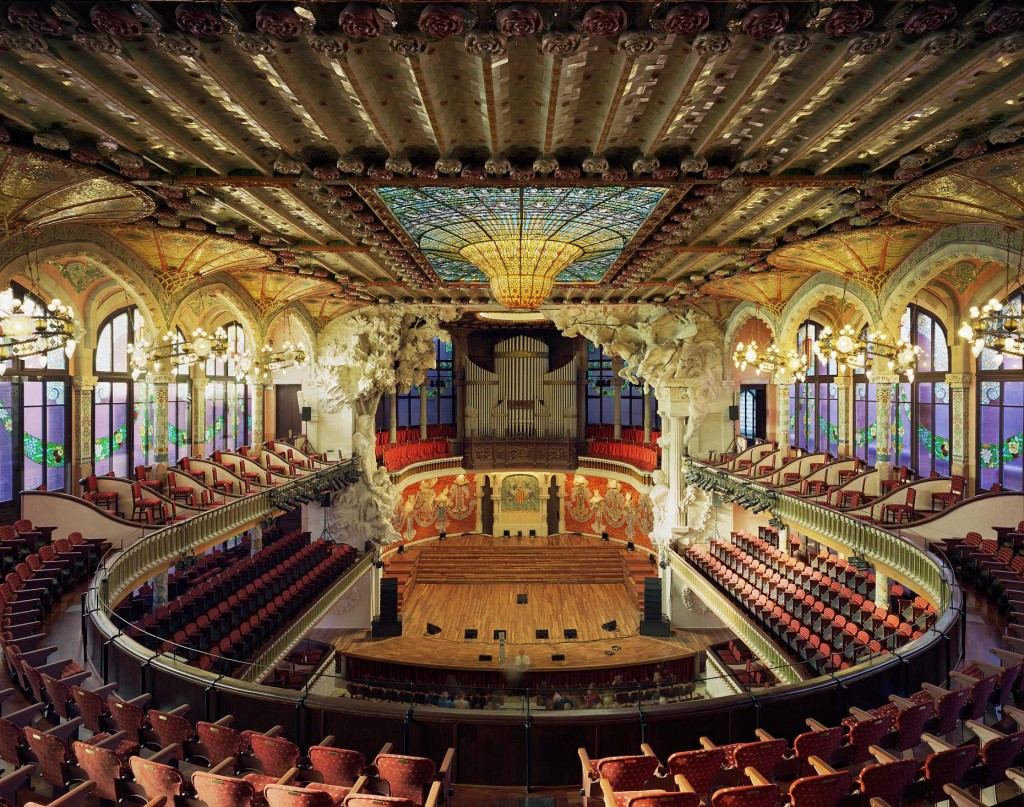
x=398 y=456
x=639 y=456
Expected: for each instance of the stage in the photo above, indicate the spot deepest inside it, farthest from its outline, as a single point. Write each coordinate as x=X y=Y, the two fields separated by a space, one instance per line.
x=476 y=583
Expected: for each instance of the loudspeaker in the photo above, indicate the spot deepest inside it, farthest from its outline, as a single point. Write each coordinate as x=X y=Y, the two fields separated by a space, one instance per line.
x=433 y=629
x=499 y=635
x=389 y=599
x=401 y=549
x=521 y=599
x=610 y=626
x=367 y=546
x=604 y=536
x=442 y=535
x=325 y=500
x=306 y=413
x=379 y=629
x=734 y=413
x=533 y=533
x=570 y=633
x=505 y=534
x=471 y=633
x=541 y=633
x=660 y=627
x=484 y=657
x=630 y=546
x=558 y=657
x=652 y=598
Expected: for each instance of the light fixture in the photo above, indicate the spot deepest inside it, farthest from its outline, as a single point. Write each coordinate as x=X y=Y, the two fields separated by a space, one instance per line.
x=257 y=368
x=28 y=329
x=847 y=349
x=522 y=270
x=784 y=369
x=995 y=328
x=175 y=351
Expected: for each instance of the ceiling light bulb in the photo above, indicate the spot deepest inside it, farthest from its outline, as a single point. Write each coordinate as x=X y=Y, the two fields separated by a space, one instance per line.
x=18 y=326
x=844 y=344
x=750 y=355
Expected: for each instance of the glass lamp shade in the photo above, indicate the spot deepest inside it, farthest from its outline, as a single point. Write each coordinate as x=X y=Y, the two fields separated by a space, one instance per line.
x=522 y=271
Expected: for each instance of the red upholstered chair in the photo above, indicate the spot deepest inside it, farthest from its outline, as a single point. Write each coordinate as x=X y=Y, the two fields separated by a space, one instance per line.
x=747 y=796
x=103 y=767
x=411 y=777
x=171 y=728
x=901 y=512
x=76 y=797
x=998 y=751
x=338 y=766
x=292 y=796
x=698 y=767
x=151 y=508
x=823 y=790
x=157 y=779
x=275 y=755
x=621 y=773
x=129 y=716
x=823 y=744
x=888 y=779
x=141 y=478
x=652 y=798
x=223 y=485
x=178 y=492
x=946 y=765
x=223 y=791
x=956 y=493
x=101 y=498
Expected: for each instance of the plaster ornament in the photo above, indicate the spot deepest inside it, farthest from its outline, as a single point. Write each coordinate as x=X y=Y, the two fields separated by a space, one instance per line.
x=1008 y=133
x=615 y=174
x=868 y=42
x=567 y=172
x=279 y=20
x=350 y=164
x=473 y=172
x=35 y=18
x=561 y=43
x=398 y=164
x=518 y=20
x=604 y=19
x=716 y=172
x=96 y=42
x=735 y=184
x=307 y=183
x=448 y=165
x=929 y=16
x=686 y=19
x=940 y=42
x=26 y=43
x=1005 y=18
x=330 y=47
x=915 y=159
x=765 y=20
x=806 y=230
x=360 y=21
x=1010 y=44
x=117 y=20
x=199 y=20
x=848 y=18
x=545 y=165
x=254 y=44
x=486 y=43
x=439 y=20
x=176 y=43
x=86 y=153
x=407 y=43
x=53 y=140
x=712 y=43
x=5 y=135
x=637 y=43
x=753 y=165
x=790 y=44
x=693 y=165
x=521 y=174
x=969 y=148
x=664 y=173
x=595 y=164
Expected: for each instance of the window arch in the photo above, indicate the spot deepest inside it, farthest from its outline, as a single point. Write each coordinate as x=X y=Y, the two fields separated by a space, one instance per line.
x=1000 y=443
x=814 y=403
x=229 y=404
x=34 y=421
x=122 y=410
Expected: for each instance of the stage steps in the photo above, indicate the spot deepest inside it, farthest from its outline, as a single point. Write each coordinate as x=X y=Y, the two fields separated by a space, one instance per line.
x=454 y=565
x=638 y=566
x=404 y=568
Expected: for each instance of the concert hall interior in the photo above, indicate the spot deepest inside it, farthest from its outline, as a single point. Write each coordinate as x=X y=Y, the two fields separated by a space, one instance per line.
x=514 y=404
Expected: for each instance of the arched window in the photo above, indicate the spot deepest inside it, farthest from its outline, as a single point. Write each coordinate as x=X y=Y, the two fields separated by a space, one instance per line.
x=229 y=403
x=600 y=387
x=34 y=422
x=814 y=403
x=865 y=415
x=441 y=387
x=1001 y=414
x=122 y=409
x=179 y=409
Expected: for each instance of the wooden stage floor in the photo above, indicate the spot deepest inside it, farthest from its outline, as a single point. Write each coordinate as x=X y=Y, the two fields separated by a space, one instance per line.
x=490 y=606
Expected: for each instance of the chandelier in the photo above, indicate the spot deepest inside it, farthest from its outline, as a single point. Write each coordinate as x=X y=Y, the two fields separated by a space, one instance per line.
x=521 y=270
x=784 y=369
x=175 y=351
x=257 y=368
x=995 y=328
x=847 y=349
x=28 y=329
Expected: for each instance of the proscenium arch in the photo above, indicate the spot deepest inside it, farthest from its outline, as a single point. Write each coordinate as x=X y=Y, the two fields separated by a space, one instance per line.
x=814 y=291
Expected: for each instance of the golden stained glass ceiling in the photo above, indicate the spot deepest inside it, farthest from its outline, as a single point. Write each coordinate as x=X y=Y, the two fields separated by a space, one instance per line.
x=868 y=256
x=37 y=190
x=769 y=290
x=988 y=189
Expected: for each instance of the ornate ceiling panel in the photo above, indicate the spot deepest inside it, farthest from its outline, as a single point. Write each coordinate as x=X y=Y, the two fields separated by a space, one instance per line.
x=868 y=256
x=986 y=189
x=769 y=290
x=179 y=257
x=273 y=290
x=37 y=190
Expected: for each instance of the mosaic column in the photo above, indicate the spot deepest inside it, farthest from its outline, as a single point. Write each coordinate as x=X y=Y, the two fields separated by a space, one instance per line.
x=199 y=383
x=617 y=365
x=160 y=393
x=881 y=590
x=885 y=397
x=82 y=395
x=159 y=590
x=844 y=388
x=255 y=539
x=960 y=386
x=674 y=402
x=258 y=416
x=782 y=416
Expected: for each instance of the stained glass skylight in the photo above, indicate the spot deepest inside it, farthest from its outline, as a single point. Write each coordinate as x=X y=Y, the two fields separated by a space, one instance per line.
x=445 y=220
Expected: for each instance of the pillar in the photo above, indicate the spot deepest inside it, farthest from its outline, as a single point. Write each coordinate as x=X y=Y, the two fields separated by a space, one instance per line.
x=674 y=403
x=647 y=416
x=393 y=416
x=160 y=590
x=881 y=590
x=259 y=427
x=423 y=410
x=160 y=389
x=199 y=383
x=844 y=389
x=375 y=575
x=83 y=387
x=960 y=386
x=459 y=367
x=581 y=393
x=617 y=366
x=256 y=539
x=885 y=392
x=782 y=392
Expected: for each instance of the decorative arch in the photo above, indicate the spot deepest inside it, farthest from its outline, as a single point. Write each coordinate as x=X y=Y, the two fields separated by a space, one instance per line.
x=300 y=315
x=745 y=312
x=814 y=292
x=230 y=302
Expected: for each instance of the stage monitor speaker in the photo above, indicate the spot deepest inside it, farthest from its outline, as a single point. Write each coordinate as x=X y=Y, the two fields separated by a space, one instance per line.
x=558 y=657
x=734 y=413
x=485 y=657
x=499 y=635
x=630 y=546
x=306 y=413
x=442 y=535
x=522 y=599
x=533 y=533
x=389 y=599
x=519 y=534
x=401 y=549
x=380 y=629
x=433 y=629
x=471 y=633
x=604 y=536
x=541 y=633
x=655 y=627
x=610 y=626
x=570 y=633
x=652 y=598
x=505 y=534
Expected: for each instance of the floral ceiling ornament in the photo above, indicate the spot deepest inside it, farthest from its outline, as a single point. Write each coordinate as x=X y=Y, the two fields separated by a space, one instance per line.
x=637 y=43
x=398 y=164
x=939 y=42
x=561 y=43
x=176 y=43
x=765 y=20
x=1006 y=17
x=595 y=164
x=1010 y=44
x=686 y=19
x=604 y=19
x=753 y=165
x=97 y=42
x=486 y=43
x=448 y=165
x=35 y=18
x=53 y=140
x=360 y=21
x=790 y=44
x=712 y=43
x=279 y=20
x=846 y=19
x=350 y=164
x=117 y=20
x=693 y=165
x=545 y=165
x=519 y=20
x=1007 y=133
x=407 y=43
x=929 y=16
x=865 y=43
x=199 y=20
x=646 y=165
x=440 y=20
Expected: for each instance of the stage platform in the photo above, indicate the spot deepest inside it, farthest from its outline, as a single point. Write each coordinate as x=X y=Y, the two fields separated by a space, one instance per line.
x=567 y=583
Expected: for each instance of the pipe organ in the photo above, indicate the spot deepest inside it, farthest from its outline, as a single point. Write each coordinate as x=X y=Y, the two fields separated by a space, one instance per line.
x=521 y=398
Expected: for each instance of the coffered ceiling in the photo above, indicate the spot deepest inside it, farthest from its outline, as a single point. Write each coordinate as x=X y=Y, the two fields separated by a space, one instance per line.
x=755 y=126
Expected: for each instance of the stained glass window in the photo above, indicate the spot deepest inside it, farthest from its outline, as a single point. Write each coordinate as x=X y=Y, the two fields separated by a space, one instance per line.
x=179 y=410
x=229 y=403
x=444 y=220
x=600 y=388
x=122 y=415
x=1001 y=415
x=441 y=386
x=922 y=420
x=815 y=402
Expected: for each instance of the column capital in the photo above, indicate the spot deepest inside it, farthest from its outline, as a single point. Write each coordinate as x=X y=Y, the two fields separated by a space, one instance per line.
x=844 y=381
x=162 y=378
x=960 y=380
x=880 y=379
x=85 y=383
